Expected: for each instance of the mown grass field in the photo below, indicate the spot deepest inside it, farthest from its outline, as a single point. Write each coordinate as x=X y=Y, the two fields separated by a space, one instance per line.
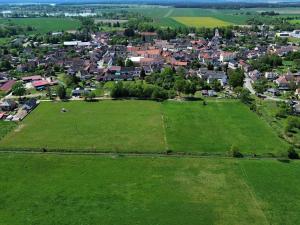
x=6 y=127
x=201 y=22
x=145 y=126
x=48 y=189
x=217 y=127
x=44 y=25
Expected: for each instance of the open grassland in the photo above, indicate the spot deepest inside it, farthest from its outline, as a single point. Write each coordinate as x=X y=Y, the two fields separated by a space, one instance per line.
x=276 y=187
x=105 y=126
x=44 y=25
x=201 y=21
x=6 y=127
x=145 y=126
x=46 y=190
x=218 y=126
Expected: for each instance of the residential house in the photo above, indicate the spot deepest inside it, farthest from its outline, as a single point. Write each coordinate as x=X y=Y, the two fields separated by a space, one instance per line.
x=8 y=105
x=7 y=86
x=271 y=75
x=233 y=65
x=30 y=104
x=30 y=79
x=254 y=75
x=227 y=56
x=211 y=75
x=283 y=83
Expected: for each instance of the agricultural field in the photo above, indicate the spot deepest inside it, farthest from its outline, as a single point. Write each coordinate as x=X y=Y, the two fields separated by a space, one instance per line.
x=44 y=25
x=217 y=127
x=166 y=17
x=145 y=126
x=48 y=189
x=201 y=22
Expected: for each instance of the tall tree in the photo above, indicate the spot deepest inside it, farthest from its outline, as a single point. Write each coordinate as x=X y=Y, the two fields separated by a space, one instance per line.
x=18 y=89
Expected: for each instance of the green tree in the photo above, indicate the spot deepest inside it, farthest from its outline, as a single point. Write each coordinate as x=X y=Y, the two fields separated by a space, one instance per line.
x=236 y=78
x=117 y=90
x=61 y=92
x=261 y=85
x=180 y=85
x=216 y=85
x=89 y=96
x=18 y=89
x=142 y=74
x=190 y=88
x=129 y=63
x=292 y=154
x=244 y=95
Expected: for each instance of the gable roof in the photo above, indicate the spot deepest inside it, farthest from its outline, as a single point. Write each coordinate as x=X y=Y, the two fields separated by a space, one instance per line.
x=6 y=87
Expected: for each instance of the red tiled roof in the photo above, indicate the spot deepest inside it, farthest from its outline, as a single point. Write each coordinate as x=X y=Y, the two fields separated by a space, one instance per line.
x=115 y=68
x=36 y=77
x=6 y=87
x=148 y=33
x=1 y=115
x=40 y=83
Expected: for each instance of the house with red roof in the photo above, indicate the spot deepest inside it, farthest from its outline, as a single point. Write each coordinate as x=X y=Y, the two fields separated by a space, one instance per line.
x=7 y=86
x=31 y=78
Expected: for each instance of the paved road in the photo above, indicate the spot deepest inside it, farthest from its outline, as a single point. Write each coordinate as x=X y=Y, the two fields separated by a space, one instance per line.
x=248 y=85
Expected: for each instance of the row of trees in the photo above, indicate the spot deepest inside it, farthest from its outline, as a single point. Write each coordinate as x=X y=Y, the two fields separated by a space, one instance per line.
x=140 y=90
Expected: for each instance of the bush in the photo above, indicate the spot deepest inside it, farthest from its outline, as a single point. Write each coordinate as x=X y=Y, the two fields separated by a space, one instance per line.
x=235 y=152
x=292 y=154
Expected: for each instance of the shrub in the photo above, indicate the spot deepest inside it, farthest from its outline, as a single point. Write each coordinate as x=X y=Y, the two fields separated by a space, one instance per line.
x=292 y=154
x=235 y=152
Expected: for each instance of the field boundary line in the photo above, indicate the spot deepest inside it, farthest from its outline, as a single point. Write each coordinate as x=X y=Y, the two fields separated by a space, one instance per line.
x=164 y=131
x=131 y=154
x=169 y=13
x=252 y=193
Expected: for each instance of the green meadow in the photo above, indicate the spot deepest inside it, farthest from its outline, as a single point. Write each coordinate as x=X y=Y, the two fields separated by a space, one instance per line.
x=126 y=126
x=6 y=127
x=217 y=127
x=144 y=126
x=48 y=189
x=45 y=24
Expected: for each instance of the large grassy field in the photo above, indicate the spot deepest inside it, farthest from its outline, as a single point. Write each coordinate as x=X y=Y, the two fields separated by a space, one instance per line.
x=217 y=127
x=44 y=25
x=105 y=126
x=201 y=22
x=145 y=126
x=47 y=190
x=6 y=127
